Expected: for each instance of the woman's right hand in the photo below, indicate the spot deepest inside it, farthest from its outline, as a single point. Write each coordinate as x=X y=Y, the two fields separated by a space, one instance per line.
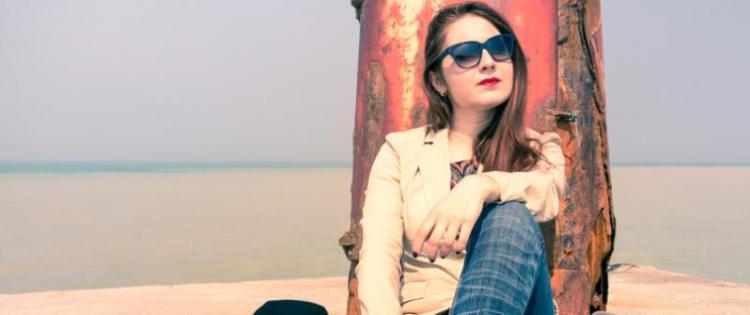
x=448 y=225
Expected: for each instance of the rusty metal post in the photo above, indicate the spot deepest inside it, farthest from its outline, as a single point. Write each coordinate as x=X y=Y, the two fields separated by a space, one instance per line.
x=389 y=98
x=586 y=223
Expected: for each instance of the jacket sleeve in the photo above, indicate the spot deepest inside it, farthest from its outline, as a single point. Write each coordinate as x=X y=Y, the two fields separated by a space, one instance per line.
x=379 y=268
x=543 y=185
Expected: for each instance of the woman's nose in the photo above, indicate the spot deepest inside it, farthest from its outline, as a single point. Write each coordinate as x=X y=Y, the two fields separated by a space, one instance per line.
x=486 y=60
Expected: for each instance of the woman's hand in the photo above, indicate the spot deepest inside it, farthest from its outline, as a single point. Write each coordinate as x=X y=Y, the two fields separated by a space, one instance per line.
x=448 y=225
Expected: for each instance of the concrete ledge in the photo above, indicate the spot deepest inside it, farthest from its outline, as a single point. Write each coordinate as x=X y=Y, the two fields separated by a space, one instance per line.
x=638 y=289
x=633 y=290
x=203 y=298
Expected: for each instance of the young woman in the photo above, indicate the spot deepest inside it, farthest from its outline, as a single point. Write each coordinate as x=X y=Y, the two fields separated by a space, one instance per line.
x=451 y=208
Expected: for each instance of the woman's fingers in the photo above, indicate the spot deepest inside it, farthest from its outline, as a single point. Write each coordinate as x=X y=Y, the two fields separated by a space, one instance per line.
x=422 y=233
x=443 y=231
x=433 y=242
x=463 y=237
x=451 y=234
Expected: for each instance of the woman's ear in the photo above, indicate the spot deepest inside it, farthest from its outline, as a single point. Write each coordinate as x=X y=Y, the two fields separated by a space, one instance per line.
x=437 y=83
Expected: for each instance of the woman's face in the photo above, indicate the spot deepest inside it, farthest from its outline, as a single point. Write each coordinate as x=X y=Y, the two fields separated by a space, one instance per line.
x=463 y=85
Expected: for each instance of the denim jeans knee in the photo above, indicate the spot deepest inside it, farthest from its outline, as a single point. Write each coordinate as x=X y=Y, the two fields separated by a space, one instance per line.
x=504 y=269
x=510 y=217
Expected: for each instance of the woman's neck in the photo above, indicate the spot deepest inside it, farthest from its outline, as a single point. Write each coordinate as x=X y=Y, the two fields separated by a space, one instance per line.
x=466 y=125
x=463 y=131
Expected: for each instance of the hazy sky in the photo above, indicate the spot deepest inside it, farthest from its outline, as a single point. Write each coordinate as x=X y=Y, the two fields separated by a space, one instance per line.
x=275 y=80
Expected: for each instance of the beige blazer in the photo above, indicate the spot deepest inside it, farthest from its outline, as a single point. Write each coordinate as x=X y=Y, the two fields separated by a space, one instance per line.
x=410 y=174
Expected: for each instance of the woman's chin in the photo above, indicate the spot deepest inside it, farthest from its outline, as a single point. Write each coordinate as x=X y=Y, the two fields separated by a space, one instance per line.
x=492 y=102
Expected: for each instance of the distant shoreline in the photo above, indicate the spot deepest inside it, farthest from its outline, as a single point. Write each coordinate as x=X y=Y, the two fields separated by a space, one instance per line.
x=77 y=167
x=73 y=167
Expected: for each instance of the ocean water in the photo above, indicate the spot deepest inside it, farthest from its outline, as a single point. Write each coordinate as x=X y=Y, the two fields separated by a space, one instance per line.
x=77 y=225
x=73 y=167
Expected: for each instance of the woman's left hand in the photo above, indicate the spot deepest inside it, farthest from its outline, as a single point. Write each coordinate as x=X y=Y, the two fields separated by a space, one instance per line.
x=448 y=225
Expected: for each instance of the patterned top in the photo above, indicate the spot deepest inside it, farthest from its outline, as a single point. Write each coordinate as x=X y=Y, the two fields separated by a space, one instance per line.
x=460 y=169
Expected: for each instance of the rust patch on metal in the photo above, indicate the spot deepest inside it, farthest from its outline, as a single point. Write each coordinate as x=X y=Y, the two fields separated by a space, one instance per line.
x=587 y=225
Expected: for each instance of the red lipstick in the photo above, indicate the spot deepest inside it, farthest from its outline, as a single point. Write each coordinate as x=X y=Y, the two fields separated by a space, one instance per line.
x=489 y=81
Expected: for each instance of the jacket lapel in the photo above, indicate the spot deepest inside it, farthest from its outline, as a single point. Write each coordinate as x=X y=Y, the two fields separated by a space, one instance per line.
x=433 y=158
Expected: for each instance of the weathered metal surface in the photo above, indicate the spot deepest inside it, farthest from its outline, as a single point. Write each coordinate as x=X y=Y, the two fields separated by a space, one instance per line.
x=586 y=224
x=389 y=98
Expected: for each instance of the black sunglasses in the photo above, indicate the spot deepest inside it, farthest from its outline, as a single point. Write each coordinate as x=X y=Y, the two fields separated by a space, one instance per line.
x=468 y=54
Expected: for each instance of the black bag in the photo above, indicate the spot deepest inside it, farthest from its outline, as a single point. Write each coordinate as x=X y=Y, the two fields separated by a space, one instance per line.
x=290 y=307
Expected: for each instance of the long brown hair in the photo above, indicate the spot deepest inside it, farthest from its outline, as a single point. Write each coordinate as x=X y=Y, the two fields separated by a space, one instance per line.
x=502 y=145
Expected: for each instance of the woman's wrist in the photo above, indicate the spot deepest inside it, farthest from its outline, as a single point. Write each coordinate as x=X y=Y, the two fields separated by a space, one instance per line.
x=489 y=188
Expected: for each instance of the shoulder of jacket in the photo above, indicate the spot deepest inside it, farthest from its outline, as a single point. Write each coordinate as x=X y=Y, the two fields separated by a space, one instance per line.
x=532 y=133
x=542 y=137
x=407 y=137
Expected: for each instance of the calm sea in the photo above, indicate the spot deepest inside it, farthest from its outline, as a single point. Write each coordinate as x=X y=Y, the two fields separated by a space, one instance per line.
x=72 y=225
x=69 y=167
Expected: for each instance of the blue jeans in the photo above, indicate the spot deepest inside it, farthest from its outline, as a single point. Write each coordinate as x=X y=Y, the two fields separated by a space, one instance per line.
x=505 y=269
